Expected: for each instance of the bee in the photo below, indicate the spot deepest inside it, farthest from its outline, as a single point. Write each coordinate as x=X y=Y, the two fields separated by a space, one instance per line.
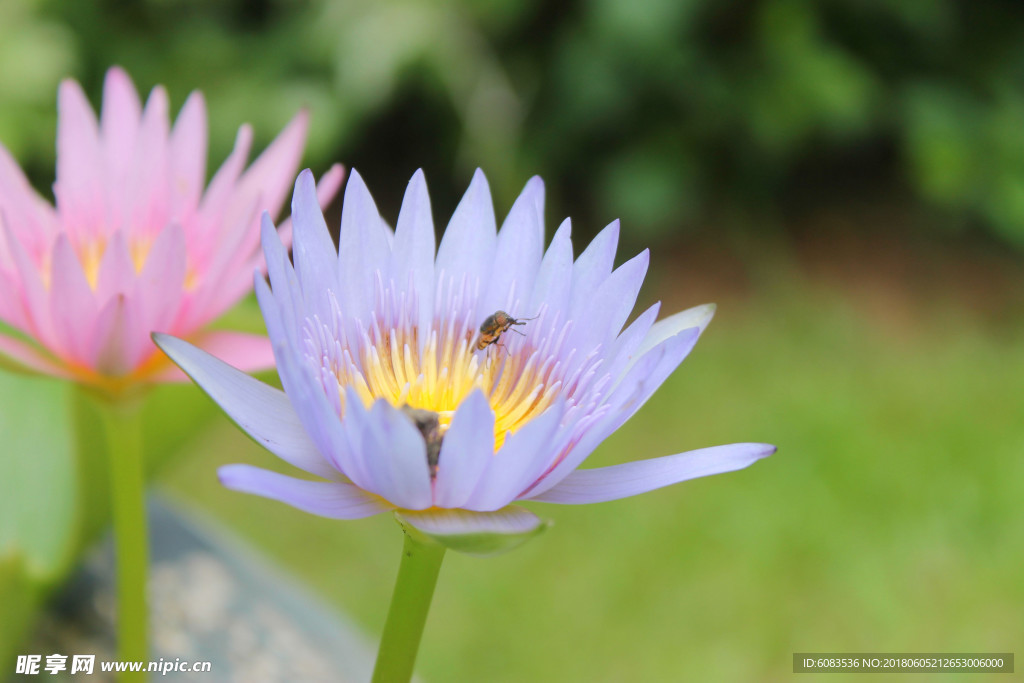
x=495 y=325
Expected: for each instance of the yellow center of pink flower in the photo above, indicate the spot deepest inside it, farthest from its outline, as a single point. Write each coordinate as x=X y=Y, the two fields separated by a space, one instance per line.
x=90 y=254
x=139 y=251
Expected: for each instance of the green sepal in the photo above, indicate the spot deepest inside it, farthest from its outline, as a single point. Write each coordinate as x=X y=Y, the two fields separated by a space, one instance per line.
x=473 y=533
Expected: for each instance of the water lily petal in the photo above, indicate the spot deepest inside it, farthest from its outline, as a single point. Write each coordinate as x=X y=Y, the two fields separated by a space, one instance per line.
x=312 y=249
x=115 y=344
x=263 y=412
x=244 y=351
x=119 y=124
x=144 y=193
x=348 y=450
x=318 y=415
x=222 y=186
x=466 y=451
x=698 y=316
x=395 y=456
x=35 y=297
x=467 y=248
x=270 y=175
x=78 y=187
x=554 y=278
x=611 y=303
x=624 y=349
x=624 y=400
x=285 y=283
x=232 y=247
x=12 y=310
x=326 y=189
x=71 y=301
x=162 y=278
x=336 y=500
x=363 y=249
x=650 y=370
x=22 y=211
x=117 y=273
x=305 y=391
x=632 y=478
x=241 y=350
x=517 y=256
x=592 y=268
x=29 y=358
x=522 y=458
x=412 y=258
x=188 y=156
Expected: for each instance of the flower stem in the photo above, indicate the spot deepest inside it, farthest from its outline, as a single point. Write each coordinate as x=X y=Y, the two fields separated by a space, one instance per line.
x=414 y=589
x=122 y=422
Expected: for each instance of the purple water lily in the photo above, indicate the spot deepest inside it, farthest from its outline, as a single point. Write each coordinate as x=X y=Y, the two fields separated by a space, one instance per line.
x=401 y=392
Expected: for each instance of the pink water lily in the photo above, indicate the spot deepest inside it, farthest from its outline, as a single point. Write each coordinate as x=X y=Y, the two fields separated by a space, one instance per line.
x=393 y=396
x=134 y=243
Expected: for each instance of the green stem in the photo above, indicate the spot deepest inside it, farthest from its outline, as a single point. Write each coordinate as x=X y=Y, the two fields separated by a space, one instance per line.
x=414 y=589
x=122 y=424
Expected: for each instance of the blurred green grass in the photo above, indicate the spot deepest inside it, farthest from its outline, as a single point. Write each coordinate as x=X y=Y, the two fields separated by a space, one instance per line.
x=889 y=520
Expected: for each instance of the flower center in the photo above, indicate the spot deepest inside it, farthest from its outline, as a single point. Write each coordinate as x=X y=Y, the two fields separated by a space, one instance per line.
x=519 y=384
x=436 y=368
x=90 y=255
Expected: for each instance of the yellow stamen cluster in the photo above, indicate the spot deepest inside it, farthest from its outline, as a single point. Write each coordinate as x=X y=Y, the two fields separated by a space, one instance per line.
x=90 y=255
x=139 y=250
x=519 y=385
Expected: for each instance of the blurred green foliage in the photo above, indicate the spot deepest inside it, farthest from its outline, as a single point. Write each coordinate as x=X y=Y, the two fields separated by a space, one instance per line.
x=659 y=111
